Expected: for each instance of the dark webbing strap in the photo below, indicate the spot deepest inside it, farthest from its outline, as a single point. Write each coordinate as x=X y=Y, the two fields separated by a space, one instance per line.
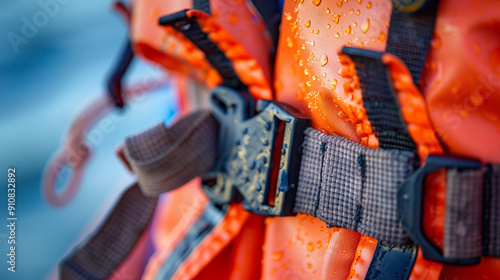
x=270 y=13
x=202 y=5
x=192 y=31
x=380 y=101
x=391 y=262
x=350 y=186
x=113 y=241
x=409 y=36
x=491 y=221
x=164 y=159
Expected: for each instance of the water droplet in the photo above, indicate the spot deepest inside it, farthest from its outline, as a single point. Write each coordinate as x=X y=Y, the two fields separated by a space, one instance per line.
x=277 y=256
x=312 y=43
x=233 y=18
x=319 y=244
x=334 y=84
x=288 y=16
x=381 y=37
x=309 y=265
x=354 y=24
x=358 y=12
x=369 y=5
x=348 y=30
x=317 y=31
x=328 y=10
x=316 y=2
x=351 y=11
x=328 y=26
x=314 y=78
x=324 y=60
x=339 y=3
x=336 y=19
x=365 y=26
x=359 y=1
x=324 y=75
x=337 y=35
x=310 y=246
x=289 y=42
x=308 y=23
x=306 y=72
x=308 y=83
x=344 y=251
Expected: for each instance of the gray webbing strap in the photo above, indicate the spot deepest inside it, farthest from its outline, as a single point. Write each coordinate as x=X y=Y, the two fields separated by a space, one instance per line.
x=491 y=222
x=350 y=186
x=347 y=185
x=164 y=159
x=464 y=209
x=102 y=254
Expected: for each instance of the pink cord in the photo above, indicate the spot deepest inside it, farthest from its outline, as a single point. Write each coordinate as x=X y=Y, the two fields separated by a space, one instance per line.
x=74 y=153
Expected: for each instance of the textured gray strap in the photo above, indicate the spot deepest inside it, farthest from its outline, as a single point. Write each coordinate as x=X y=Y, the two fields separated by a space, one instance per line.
x=101 y=255
x=164 y=159
x=492 y=212
x=350 y=186
x=464 y=209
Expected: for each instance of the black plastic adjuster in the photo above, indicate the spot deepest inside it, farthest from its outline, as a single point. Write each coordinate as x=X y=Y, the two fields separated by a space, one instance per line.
x=410 y=202
x=230 y=108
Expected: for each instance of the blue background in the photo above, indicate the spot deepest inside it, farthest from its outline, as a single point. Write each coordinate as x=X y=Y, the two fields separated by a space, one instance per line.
x=42 y=88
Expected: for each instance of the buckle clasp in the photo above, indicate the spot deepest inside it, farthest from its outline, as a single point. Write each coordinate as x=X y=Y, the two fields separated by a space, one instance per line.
x=250 y=148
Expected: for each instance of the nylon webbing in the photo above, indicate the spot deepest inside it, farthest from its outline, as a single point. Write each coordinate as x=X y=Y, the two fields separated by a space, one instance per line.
x=347 y=185
x=192 y=31
x=164 y=159
x=380 y=101
x=270 y=13
x=491 y=221
x=113 y=241
x=202 y=5
x=409 y=36
x=391 y=262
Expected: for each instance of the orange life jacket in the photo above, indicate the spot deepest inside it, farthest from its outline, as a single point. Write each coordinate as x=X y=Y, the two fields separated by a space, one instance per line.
x=451 y=109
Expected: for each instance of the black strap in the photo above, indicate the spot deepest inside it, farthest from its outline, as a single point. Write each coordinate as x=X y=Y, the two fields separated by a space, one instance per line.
x=380 y=101
x=202 y=5
x=391 y=262
x=410 y=35
x=115 y=80
x=270 y=13
x=113 y=241
x=191 y=29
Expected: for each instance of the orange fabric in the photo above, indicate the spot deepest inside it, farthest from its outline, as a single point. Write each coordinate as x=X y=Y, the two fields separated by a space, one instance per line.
x=235 y=28
x=246 y=67
x=172 y=220
x=414 y=111
x=213 y=244
x=460 y=82
x=310 y=77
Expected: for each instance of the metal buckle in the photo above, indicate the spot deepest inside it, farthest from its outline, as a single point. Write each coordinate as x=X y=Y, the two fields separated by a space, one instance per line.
x=410 y=201
x=250 y=148
x=229 y=108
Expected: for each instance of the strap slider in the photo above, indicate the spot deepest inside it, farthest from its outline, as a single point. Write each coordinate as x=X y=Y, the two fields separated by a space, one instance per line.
x=410 y=205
